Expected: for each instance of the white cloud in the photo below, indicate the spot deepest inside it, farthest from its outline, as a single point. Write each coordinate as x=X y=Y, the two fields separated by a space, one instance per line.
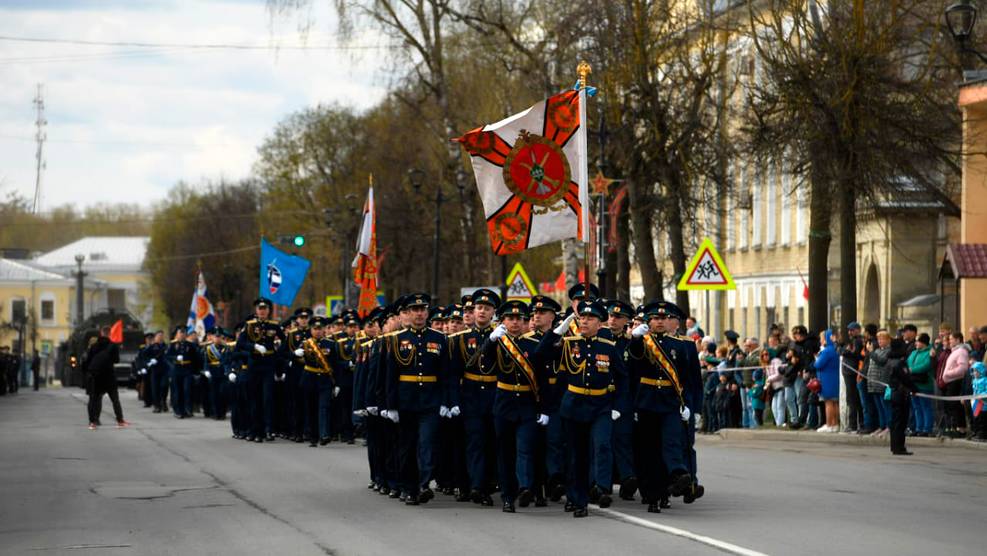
x=125 y=124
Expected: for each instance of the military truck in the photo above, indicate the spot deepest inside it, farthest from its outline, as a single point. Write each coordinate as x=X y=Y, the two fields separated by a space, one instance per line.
x=73 y=350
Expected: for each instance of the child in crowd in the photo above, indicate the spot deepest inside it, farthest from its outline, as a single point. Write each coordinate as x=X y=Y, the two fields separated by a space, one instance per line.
x=979 y=406
x=757 y=395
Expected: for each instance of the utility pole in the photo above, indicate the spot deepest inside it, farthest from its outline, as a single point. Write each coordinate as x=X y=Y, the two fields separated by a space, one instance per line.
x=40 y=123
x=80 y=276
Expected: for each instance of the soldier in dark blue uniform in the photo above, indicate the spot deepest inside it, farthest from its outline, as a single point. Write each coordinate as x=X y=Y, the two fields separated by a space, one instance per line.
x=417 y=387
x=156 y=369
x=517 y=411
x=451 y=474
x=477 y=379
x=662 y=401
x=261 y=339
x=550 y=455
x=320 y=361
x=623 y=428
x=214 y=357
x=596 y=390
x=294 y=395
x=365 y=361
x=387 y=449
x=346 y=350
x=182 y=356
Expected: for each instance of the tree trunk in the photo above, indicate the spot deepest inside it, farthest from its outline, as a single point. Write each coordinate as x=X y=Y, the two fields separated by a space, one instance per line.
x=644 y=246
x=623 y=256
x=848 y=256
x=820 y=214
x=676 y=241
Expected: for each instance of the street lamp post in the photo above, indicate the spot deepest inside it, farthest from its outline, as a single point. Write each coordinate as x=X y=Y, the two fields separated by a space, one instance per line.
x=960 y=19
x=79 y=284
x=416 y=177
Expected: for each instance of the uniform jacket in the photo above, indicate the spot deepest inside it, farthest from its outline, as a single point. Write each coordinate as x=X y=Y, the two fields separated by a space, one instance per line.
x=523 y=400
x=593 y=371
x=473 y=374
x=417 y=370
x=190 y=362
x=267 y=333
x=655 y=388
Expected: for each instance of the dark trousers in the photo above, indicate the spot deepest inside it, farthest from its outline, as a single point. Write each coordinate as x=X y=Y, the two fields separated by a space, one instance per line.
x=218 y=387
x=373 y=427
x=181 y=391
x=103 y=384
x=451 y=456
x=516 y=458
x=419 y=434
x=623 y=445
x=159 y=387
x=954 y=410
x=588 y=440
x=295 y=402
x=239 y=405
x=900 y=409
x=318 y=404
x=855 y=411
x=390 y=453
x=480 y=449
x=661 y=451
x=343 y=414
x=260 y=395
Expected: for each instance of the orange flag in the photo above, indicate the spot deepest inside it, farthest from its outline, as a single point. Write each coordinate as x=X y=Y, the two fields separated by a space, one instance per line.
x=365 y=263
x=116 y=332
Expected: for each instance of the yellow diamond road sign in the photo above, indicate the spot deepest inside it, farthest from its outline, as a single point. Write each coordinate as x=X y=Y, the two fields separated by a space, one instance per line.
x=706 y=271
x=519 y=286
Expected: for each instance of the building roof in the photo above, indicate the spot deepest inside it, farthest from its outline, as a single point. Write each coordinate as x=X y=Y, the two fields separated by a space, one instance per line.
x=105 y=253
x=15 y=271
x=965 y=260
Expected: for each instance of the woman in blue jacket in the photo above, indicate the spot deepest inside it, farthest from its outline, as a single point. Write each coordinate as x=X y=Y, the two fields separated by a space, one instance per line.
x=828 y=371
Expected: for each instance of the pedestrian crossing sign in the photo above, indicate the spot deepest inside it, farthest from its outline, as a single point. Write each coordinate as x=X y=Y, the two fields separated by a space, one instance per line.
x=519 y=285
x=706 y=271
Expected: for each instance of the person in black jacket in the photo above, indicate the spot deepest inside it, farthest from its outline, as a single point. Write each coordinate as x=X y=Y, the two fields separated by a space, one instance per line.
x=851 y=350
x=101 y=356
x=902 y=389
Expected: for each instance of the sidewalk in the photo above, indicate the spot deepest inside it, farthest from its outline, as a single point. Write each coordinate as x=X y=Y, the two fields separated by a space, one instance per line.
x=740 y=435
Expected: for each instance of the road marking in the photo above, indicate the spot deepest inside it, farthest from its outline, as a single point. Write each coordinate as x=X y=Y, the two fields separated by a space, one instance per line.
x=710 y=541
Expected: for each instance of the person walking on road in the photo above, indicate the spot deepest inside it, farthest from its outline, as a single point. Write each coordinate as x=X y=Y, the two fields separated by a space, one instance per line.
x=101 y=356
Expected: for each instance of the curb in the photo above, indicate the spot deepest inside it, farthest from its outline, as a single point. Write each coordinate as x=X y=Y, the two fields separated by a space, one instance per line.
x=839 y=438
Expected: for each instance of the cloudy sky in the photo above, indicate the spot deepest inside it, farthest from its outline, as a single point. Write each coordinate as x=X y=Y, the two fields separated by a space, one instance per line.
x=125 y=123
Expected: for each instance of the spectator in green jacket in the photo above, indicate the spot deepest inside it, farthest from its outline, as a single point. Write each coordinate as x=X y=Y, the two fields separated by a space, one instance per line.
x=920 y=367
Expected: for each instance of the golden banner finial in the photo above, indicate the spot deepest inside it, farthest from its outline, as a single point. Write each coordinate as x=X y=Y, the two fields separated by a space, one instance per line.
x=583 y=70
x=371 y=180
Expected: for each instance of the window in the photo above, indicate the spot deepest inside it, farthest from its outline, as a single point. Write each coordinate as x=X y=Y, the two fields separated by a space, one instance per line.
x=47 y=309
x=772 y=197
x=116 y=299
x=18 y=311
x=731 y=206
x=786 y=206
x=744 y=209
x=757 y=191
x=801 y=216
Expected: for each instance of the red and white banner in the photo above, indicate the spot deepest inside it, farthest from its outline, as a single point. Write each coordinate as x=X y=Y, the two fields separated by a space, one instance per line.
x=365 y=262
x=531 y=171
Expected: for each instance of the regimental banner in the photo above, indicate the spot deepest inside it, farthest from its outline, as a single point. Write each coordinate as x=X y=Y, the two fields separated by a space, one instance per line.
x=530 y=170
x=706 y=271
x=281 y=274
x=201 y=315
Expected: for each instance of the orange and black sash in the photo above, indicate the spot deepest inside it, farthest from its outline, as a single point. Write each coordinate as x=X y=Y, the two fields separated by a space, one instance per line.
x=657 y=355
x=522 y=362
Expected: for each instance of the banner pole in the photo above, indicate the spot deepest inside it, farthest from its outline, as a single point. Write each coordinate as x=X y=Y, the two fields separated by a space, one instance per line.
x=583 y=69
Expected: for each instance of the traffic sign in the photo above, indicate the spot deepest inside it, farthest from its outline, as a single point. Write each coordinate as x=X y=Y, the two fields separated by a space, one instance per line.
x=706 y=271
x=519 y=285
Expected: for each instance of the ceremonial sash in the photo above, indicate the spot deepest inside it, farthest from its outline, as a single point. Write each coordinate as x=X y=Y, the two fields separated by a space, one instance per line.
x=573 y=327
x=522 y=362
x=659 y=357
x=318 y=354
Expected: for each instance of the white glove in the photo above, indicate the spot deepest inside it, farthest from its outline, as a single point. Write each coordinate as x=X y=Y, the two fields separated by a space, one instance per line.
x=260 y=349
x=443 y=410
x=335 y=391
x=564 y=325
x=180 y=358
x=360 y=413
x=454 y=411
x=635 y=416
x=299 y=352
x=685 y=413
x=640 y=330
x=152 y=362
x=614 y=414
x=498 y=332
x=372 y=410
x=207 y=374
x=232 y=377
x=392 y=414
x=142 y=372
x=542 y=420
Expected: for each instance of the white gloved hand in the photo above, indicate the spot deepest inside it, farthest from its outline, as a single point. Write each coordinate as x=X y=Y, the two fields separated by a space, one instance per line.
x=635 y=416
x=180 y=358
x=142 y=371
x=640 y=330
x=542 y=420
x=443 y=411
x=152 y=362
x=392 y=414
x=299 y=352
x=360 y=413
x=207 y=374
x=335 y=391
x=564 y=325
x=614 y=414
x=685 y=413
x=498 y=332
x=232 y=377
x=260 y=349
x=454 y=411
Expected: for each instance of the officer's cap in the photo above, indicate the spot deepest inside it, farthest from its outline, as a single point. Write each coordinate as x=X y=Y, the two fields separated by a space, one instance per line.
x=263 y=302
x=544 y=303
x=303 y=312
x=211 y=330
x=336 y=319
x=619 y=308
x=513 y=308
x=592 y=309
x=178 y=327
x=319 y=322
x=731 y=335
x=454 y=312
x=579 y=291
x=350 y=317
x=226 y=333
x=486 y=297
x=665 y=309
x=437 y=313
x=467 y=301
x=148 y=335
x=416 y=300
x=374 y=315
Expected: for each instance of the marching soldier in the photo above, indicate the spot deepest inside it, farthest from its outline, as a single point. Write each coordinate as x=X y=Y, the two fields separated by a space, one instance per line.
x=365 y=361
x=451 y=474
x=477 y=380
x=467 y=302
x=294 y=395
x=417 y=386
x=387 y=449
x=214 y=351
x=517 y=404
x=319 y=358
x=157 y=371
x=623 y=428
x=346 y=352
x=139 y=369
x=596 y=389
x=662 y=401
x=260 y=339
x=550 y=457
x=182 y=355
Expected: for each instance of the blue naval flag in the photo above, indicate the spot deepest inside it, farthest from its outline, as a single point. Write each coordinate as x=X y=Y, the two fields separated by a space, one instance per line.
x=281 y=274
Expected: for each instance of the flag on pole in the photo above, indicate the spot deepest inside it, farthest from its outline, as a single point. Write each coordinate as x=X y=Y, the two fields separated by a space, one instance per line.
x=281 y=274
x=201 y=315
x=116 y=332
x=531 y=171
x=365 y=262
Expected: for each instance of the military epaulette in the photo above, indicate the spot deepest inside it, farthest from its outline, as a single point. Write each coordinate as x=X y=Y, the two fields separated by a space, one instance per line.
x=529 y=334
x=392 y=333
x=269 y=321
x=606 y=341
x=573 y=337
x=460 y=333
x=683 y=338
x=251 y=321
x=367 y=342
x=173 y=342
x=206 y=344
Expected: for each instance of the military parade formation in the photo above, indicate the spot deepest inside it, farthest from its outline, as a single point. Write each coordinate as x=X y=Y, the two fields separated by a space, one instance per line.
x=473 y=398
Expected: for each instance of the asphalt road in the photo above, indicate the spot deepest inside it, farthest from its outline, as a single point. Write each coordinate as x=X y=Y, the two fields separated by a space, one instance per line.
x=166 y=486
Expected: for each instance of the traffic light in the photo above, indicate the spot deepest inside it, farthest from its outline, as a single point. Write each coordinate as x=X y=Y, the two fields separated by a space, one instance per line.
x=299 y=241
